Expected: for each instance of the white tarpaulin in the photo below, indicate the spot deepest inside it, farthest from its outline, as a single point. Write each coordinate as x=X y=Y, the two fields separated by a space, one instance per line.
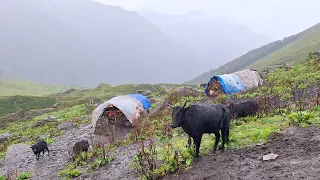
x=129 y=106
x=250 y=78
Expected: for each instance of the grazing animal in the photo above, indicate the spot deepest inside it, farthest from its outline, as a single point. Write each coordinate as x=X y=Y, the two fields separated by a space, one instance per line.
x=39 y=147
x=202 y=118
x=243 y=109
x=81 y=146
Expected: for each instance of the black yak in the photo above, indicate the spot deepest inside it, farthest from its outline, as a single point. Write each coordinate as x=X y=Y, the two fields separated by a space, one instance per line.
x=202 y=118
x=243 y=109
x=81 y=146
x=39 y=147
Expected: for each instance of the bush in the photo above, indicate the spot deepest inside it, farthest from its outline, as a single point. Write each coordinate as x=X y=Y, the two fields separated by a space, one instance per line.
x=301 y=117
x=70 y=172
x=24 y=175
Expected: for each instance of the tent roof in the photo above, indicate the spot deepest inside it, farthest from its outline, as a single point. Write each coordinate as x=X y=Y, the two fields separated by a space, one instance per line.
x=142 y=99
x=130 y=107
x=237 y=81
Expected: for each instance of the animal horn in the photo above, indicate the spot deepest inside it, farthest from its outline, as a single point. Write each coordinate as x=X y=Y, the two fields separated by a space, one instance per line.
x=169 y=105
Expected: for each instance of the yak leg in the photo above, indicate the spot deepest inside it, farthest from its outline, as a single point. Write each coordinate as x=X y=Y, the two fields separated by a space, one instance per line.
x=224 y=137
x=217 y=134
x=197 y=141
x=189 y=141
x=48 y=151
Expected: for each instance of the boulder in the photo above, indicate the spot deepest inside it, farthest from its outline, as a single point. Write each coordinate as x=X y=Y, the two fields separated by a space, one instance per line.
x=46 y=120
x=4 y=137
x=17 y=155
x=188 y=91
x=145 y=92
x=38 y=112
x=102 y=127
x=94 y=100
x=66 y=126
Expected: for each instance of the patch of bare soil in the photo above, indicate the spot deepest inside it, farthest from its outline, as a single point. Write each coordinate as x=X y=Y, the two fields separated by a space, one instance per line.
x=299 y=158
x=23 y=159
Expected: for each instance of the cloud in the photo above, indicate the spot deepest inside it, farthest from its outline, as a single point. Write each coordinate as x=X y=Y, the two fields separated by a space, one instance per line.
x=275 y=18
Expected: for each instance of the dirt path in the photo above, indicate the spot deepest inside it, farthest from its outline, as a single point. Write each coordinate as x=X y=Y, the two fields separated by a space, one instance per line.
x=299 y=158
x=48 y=167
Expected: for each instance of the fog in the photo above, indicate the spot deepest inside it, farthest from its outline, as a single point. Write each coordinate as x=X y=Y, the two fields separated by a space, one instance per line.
x=273 y=18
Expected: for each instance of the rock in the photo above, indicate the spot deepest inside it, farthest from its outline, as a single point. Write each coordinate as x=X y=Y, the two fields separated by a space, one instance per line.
x=17 y=154
x=145 y=92
x=4 y=137
x=187 y=91
x=66 y=126
x=270 y=156
x=38 y=112
x=95 y=101
x=46 y=120
x=85 y=126
x=316 y=138
x=102 y=127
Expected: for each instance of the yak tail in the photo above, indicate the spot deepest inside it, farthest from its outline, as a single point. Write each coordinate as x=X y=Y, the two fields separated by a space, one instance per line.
x=226 y=122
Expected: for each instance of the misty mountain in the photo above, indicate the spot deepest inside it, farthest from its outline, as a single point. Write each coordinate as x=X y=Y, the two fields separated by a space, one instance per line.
x=216 y=42
x=87 y=43
x=6 y=76
x=292 y=50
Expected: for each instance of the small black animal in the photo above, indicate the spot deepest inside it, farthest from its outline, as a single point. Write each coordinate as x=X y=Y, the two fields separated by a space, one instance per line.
x=243 y=109
x=202 y=118
x=81 y=146
x=39 y=147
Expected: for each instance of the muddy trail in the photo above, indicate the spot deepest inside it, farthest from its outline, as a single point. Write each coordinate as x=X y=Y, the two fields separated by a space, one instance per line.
x=299 y=158
x=21 y=158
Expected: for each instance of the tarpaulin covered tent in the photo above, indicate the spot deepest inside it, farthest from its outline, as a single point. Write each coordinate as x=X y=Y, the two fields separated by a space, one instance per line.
x=131 y=106
x=240 y=81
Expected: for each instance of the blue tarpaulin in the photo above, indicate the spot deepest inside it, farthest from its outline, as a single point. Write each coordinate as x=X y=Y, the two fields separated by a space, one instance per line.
x=230 y=83
x=142 y=99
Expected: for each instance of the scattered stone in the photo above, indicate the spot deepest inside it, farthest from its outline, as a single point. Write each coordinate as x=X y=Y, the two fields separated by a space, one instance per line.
x=85 y=126
x=46 y=120
x=38 y=112
x=4 y=137
x=66 y=126
x=316 y=138
x=270 y=156
x=145 y=92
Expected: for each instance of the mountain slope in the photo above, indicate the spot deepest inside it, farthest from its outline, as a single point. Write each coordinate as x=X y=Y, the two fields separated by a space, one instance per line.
x=87 y=43
x=10 y=85
x=292 y=50
x=214 y=41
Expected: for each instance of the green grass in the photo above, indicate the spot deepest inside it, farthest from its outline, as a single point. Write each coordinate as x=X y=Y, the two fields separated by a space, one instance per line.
x=293 y=50
x=14 y=103
x=28 y=88
x=293 y=53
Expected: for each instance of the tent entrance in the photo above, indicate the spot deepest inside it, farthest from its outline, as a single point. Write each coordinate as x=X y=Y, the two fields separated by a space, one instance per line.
x=113 y=124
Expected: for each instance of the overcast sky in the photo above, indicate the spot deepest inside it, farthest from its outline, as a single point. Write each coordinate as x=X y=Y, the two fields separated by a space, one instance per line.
x=273 y=18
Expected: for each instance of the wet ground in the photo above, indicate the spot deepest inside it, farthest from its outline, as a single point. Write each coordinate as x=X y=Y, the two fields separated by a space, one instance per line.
x=299 y=158
x=298 y=150
x=23 y=159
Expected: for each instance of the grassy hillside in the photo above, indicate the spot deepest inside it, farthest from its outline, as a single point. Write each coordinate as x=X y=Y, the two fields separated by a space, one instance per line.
x=168 y=151
x=27 y=88
x=292 y=50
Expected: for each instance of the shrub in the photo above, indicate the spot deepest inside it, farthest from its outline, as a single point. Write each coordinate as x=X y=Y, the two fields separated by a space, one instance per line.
x=24 y=175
